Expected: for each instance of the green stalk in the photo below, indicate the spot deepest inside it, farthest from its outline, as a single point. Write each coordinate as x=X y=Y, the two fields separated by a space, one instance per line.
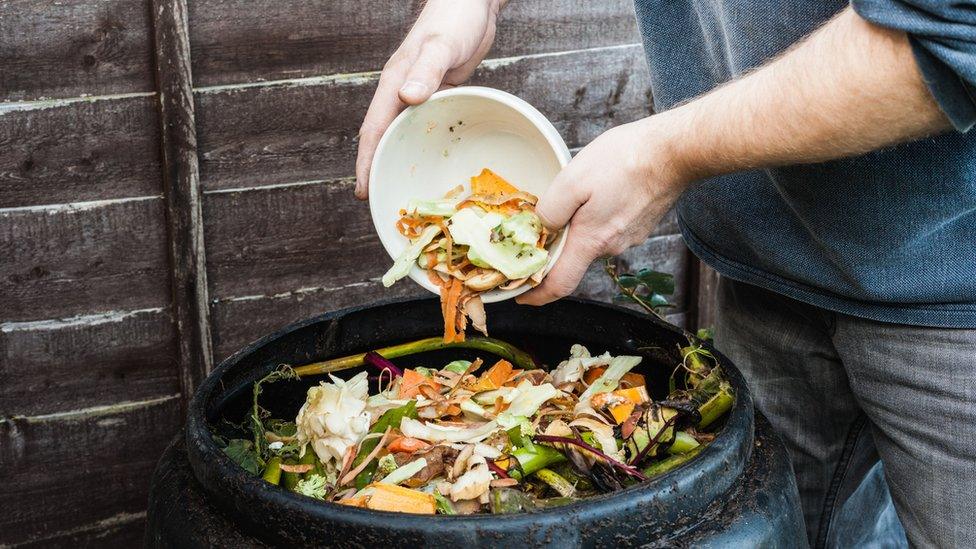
x=665 y=465
x=272 y=473
x=533 y=460
x=290 y=480
x=555 y=481
x=518 y=357
x=683 y=443
x=716 y=406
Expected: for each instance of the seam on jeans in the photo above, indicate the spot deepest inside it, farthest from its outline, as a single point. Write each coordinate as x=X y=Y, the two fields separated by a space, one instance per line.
x=840 y=473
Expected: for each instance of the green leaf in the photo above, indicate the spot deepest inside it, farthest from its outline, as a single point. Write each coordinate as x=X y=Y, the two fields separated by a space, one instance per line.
x=656 y=281
x=705 y=334
x=444 y=505
x=390 y=418
x=623 y=298
x=457 y=366
x=242 y=452
x=657 y=301
x=281 y=427
x=628 y=281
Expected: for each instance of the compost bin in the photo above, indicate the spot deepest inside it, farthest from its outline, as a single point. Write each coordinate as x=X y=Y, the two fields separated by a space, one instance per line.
x=739 y=491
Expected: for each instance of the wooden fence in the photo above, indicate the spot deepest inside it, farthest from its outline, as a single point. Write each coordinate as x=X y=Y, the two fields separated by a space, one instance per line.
x=176 y=181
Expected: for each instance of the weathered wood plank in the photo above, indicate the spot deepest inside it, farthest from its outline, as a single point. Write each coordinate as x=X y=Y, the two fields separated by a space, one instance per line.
x=59 y=365
x=64 y=472
x=707 y=295
x=72 y=48
x=241 y=320
x=181 y=190
x=307 y=130
x=78 y=150
x=246 y=40
x=82 y=258
x=269 y=241
x=122 y=530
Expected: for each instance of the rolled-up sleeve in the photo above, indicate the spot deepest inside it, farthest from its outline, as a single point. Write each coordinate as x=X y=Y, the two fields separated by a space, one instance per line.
x=943 y=38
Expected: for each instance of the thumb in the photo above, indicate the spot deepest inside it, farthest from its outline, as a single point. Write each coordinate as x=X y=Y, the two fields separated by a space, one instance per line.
x=427 y=72
x=560 y=201
x=580 y=251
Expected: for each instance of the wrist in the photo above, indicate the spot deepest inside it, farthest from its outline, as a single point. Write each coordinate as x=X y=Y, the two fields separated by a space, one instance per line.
x=665 y=152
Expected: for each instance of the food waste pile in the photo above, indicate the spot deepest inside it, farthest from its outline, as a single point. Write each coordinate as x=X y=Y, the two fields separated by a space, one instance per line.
x=490 y=239
x=475 y=437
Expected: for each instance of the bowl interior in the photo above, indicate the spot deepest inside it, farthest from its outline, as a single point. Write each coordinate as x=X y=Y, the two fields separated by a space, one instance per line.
x=434 y=147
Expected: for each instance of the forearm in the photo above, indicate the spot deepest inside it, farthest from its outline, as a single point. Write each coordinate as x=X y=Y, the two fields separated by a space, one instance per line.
x=849 y=88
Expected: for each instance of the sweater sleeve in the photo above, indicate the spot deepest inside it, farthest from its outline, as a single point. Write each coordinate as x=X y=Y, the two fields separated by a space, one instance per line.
x=942 y=34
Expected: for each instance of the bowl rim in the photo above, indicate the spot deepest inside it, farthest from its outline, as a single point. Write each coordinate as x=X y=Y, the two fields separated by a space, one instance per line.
x=524 y=108
x=729 y=452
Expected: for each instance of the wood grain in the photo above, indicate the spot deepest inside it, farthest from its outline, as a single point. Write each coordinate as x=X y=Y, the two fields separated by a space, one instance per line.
x=307 y=131
x=51 y=366
x=63 y=472
x=80 y=259
x=245 y=40
x=127 y=530
x=269 y=241
x=78 y=151
x=73 y=47
x=707 y=294
x=182 y=193
x=240 y=321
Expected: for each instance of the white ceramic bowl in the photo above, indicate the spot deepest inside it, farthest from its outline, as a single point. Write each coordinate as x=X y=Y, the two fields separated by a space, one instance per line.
x=433 y=147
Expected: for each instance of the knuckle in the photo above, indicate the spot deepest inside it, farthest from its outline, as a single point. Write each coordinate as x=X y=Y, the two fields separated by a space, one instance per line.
x=617 y=248
x=394 y=63
x=602 y=241
x=434 y=41
x=560 y=289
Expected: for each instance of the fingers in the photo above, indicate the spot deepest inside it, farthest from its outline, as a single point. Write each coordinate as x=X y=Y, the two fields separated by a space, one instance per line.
x=382 y=110
x=561 y=200
x=427 y=72
x=566 y=274
x=401 y=84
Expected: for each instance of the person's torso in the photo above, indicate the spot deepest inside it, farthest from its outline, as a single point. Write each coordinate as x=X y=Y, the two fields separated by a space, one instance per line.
x=888 y=235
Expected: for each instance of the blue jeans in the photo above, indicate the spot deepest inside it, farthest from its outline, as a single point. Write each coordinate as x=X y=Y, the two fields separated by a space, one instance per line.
x=843 y=392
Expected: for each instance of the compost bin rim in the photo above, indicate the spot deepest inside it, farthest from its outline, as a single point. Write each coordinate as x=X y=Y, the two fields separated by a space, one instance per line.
x=239 y=490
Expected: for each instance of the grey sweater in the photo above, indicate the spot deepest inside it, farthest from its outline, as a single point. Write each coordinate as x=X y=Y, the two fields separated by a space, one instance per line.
x=889 y=235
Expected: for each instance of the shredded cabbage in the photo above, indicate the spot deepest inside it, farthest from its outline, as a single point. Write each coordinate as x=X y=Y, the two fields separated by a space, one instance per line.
x=334 y=417
x=405 y=471
x=441 y=433
x=528 y=401
x=522 y=228
x=512 y=259
x=402 y=265
x=609 y=380
x=442 y=208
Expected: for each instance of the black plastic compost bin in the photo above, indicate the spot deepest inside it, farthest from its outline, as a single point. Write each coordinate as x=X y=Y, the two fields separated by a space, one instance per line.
x=739 y=492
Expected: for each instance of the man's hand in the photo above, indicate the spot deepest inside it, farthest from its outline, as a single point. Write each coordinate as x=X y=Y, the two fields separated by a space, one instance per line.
x=616 y=190
x=442 y=49
x=849 y=88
